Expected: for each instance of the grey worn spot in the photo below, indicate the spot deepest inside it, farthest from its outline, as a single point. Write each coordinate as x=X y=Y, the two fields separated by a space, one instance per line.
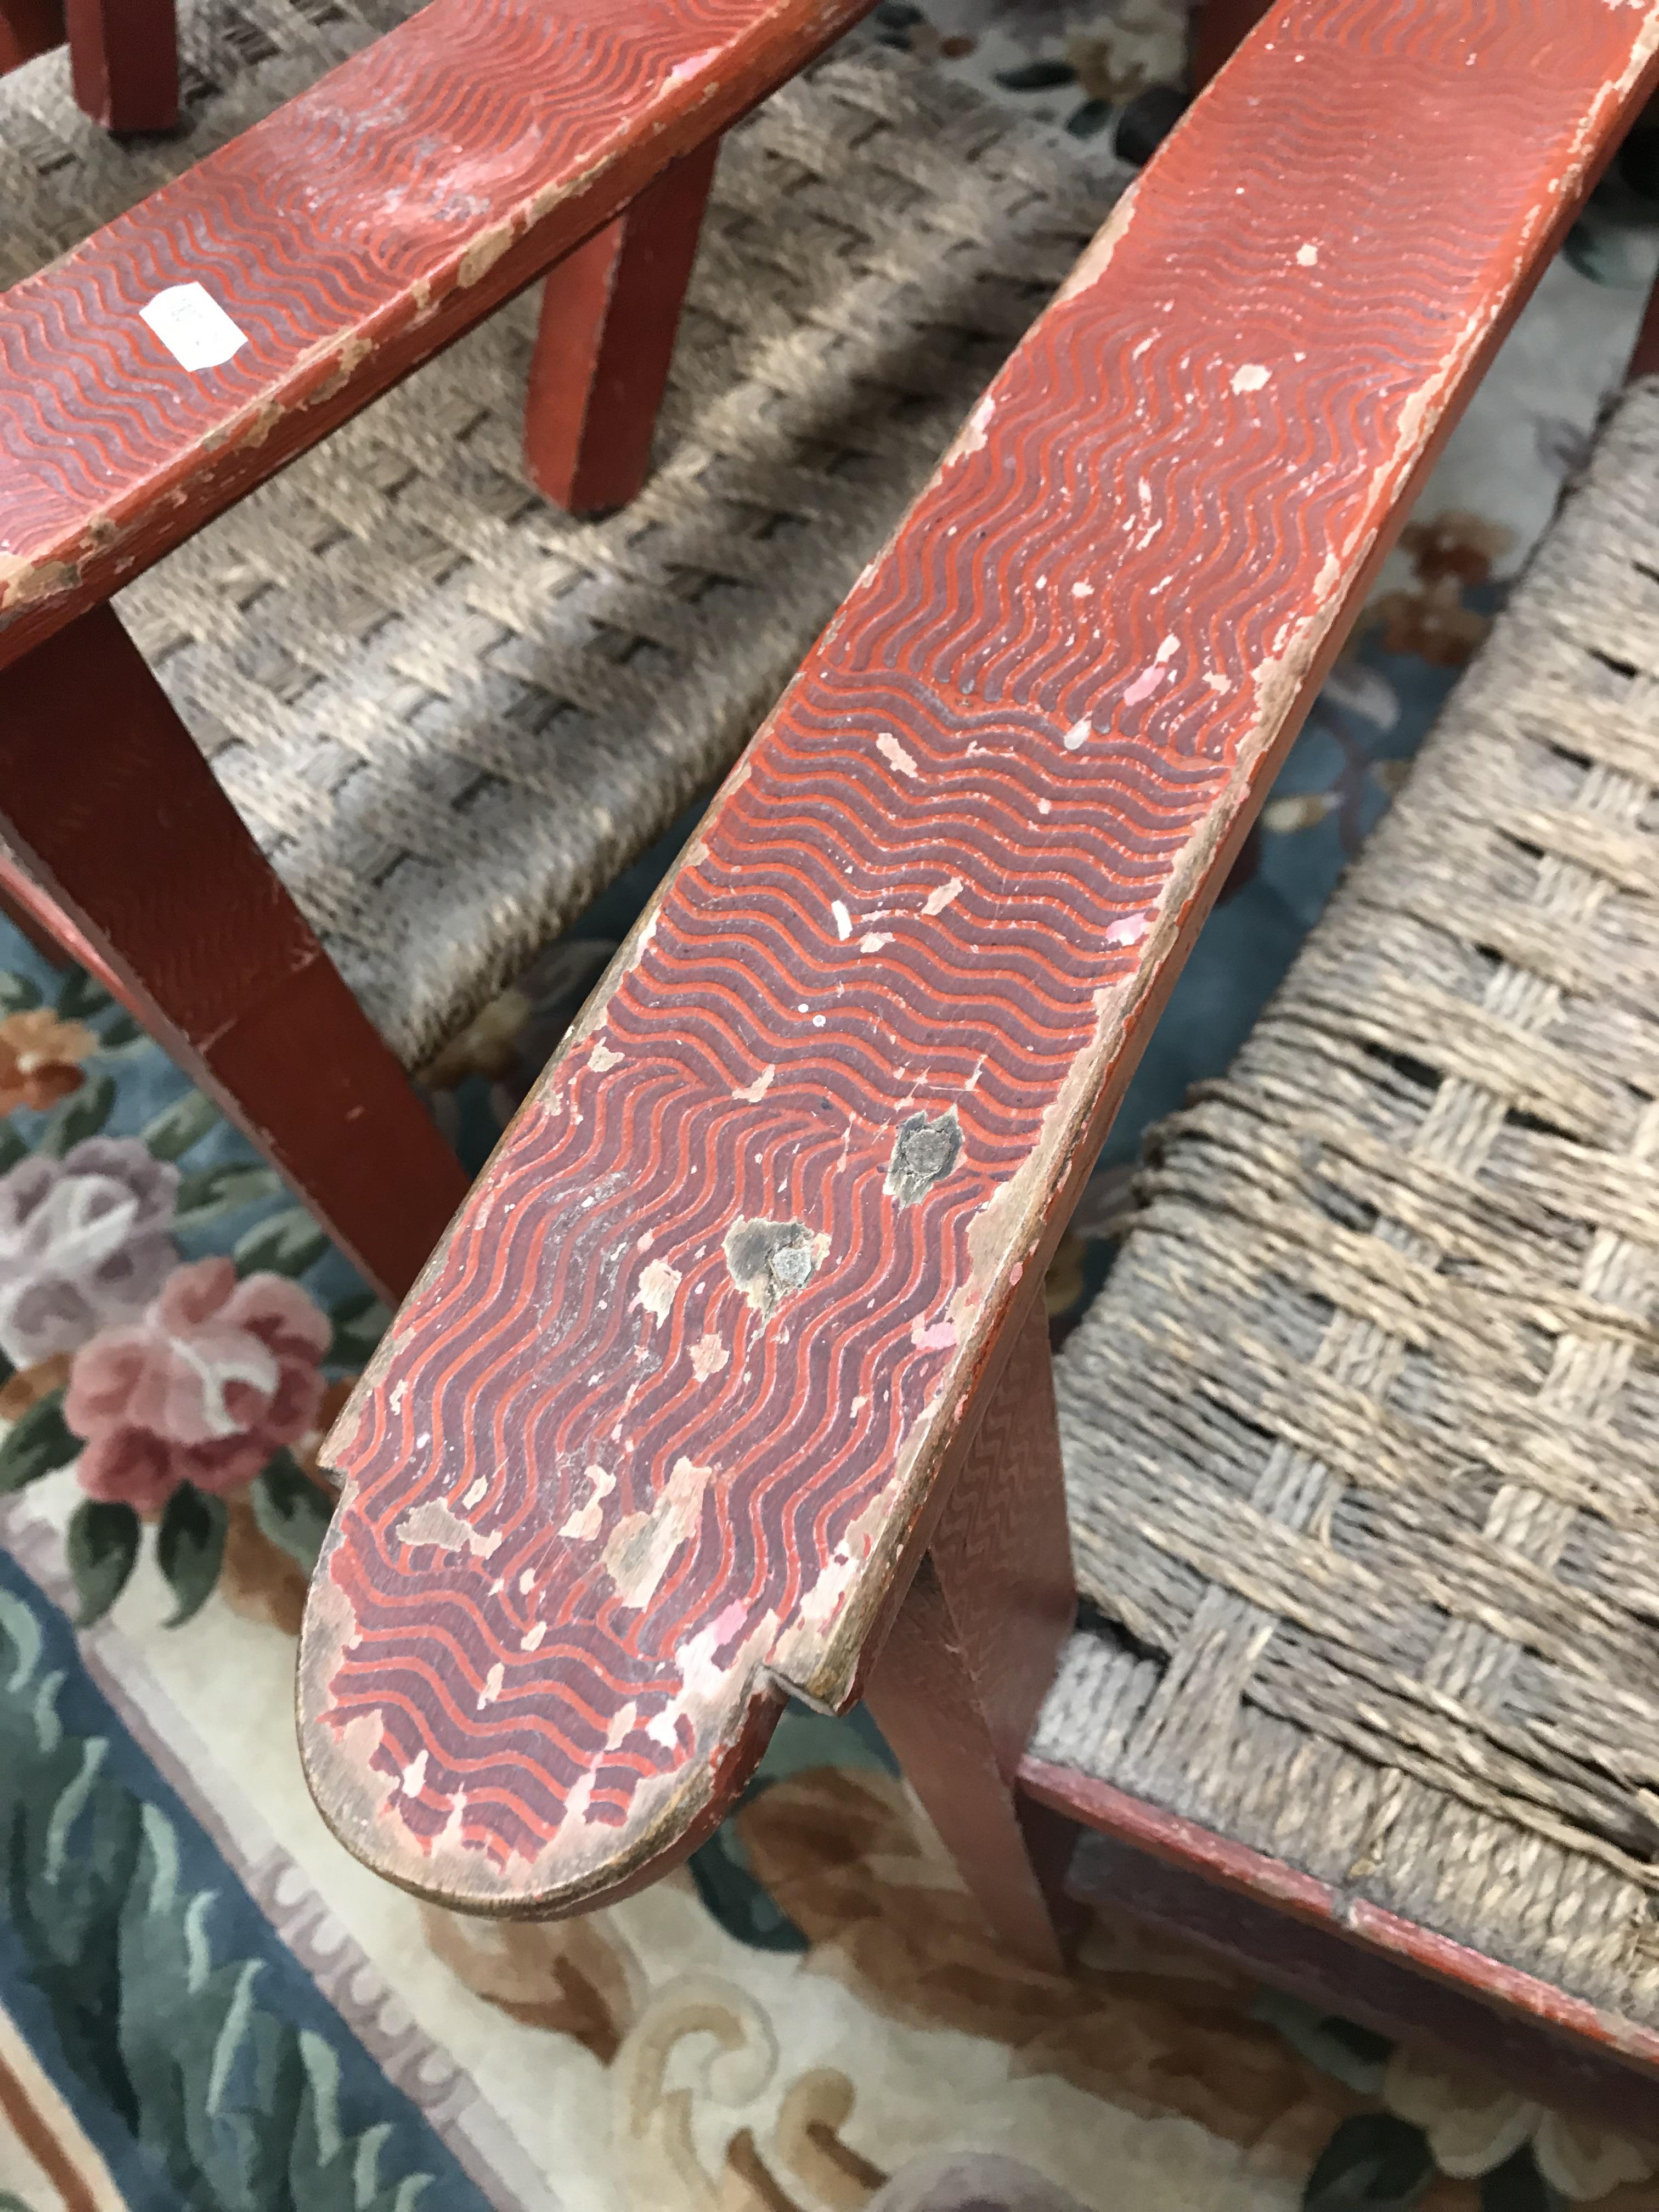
x=769 y=1259
x=924 y=1154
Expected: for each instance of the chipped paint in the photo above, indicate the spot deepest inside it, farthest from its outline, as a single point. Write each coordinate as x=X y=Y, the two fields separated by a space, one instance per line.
x=924 y=1153
x=843 y=921
x=1307 y=254
x=642 y=1545
x=481 y=257
x=709 y=1356
x=770 y=1260
x=873 y=940
x=755 y=1091
x=1080 y=731
x=584 y=1524
x=433 y=1523
x=1251 y=377
x=23 y=582
x=888 y=746
x=657 y=1284
x=978 y=429
x=937 y=901
x=603 y=1058
x=1096 y=256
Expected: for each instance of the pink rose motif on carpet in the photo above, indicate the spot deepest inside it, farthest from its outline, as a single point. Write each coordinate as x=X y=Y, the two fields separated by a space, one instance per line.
x=84 y=1243
x=217 y=1376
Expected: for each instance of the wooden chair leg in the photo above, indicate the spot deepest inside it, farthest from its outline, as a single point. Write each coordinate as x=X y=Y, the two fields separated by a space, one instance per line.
x=1217 y=28
x=961 y=1676
x=609 y=314
x=124 y=61
x=28 y=27
x=109 y=807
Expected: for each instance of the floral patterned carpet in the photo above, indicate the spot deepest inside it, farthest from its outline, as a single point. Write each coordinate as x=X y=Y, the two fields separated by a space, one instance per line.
x=204 y=2003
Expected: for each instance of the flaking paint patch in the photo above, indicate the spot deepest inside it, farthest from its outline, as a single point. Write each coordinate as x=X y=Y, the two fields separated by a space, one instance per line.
x=1251 y=377
x=481 y=257
x=976 y=431
x=492 y=1688
x=891 y=751
x=755 y=1091
x=657 y=1284
x=709 y=1356
x=770 y=1261
x=642 y=1545
x=1097 y=255
x=22 y=582
x=584 y=1524
x=937 y=901
x=433 y=1523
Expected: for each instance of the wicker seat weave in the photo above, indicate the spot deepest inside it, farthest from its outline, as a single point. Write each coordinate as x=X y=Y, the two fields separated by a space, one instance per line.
x=1361 y=1437
x=450 y=713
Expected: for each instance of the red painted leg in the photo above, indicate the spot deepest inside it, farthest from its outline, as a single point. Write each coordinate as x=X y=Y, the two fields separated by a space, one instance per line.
x=974 y=1648
x=609 y=314
x=124 y=61
x=110 y=810
x=1217 y=28
x=28 y=27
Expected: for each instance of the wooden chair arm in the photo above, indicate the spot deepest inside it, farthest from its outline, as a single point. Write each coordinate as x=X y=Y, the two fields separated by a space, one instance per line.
x=664 y=1428
x=346 y=237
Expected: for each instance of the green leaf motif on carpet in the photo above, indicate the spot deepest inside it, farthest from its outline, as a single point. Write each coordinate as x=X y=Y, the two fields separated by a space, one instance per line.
x=36 y=1443
x=1373 y=2163
x=238 y=2106
x=205 y=1193
x=181 y=1125
x=101 y=1546
x=188 y=1546
x=361 y=1320
x=80 y=998
x=287 y=1244
x=291 y=1510
x=82 y=1114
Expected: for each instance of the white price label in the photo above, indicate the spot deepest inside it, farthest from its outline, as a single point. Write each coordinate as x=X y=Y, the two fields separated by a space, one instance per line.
x=194 y=327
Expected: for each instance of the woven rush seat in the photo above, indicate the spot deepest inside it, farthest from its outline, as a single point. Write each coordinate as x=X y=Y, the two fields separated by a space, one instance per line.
x=62 y=175
x=450 y=713
x=1362 y=1437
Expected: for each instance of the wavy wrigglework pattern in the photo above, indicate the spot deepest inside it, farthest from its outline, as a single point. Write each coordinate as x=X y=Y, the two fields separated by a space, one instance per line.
x=659 y=1430
x=344 y=238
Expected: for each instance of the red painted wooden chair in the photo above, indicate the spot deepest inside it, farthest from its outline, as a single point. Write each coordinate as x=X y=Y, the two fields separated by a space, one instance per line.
x=731 y=1379
x=123 y=55
x=240 y=313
